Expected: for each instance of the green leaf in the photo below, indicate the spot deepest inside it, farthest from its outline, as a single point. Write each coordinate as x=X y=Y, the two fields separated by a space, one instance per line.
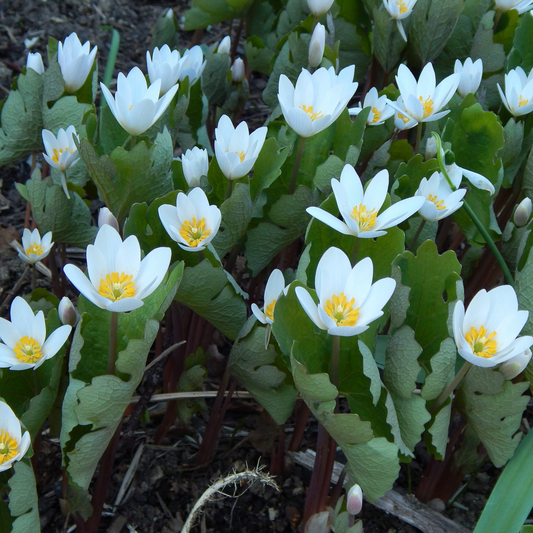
x=522 y=52
x=165 y=31
x=493 y=407
x=513 y=154
x=349 y=134
x=387 y=41
x=21 y=118
x=23 y=499
x=257 y=55
x=258 y=369
x=207 y=291
x=215 y=83
x=125 y=178
x=54 y=212
x=485 y=48
x=207 y=12
x=432 y=24
x=524 y=292
x=355 y=47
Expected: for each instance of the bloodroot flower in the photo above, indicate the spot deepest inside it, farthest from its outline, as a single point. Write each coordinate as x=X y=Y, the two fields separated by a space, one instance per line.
x=13 y=446
x=347 y=299
x=118 y=279
x=274 y=287
x=33 y=247
x=486 y=335
x=25 y=343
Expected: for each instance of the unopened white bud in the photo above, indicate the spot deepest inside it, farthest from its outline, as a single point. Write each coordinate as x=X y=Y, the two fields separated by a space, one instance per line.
x=169 y=14
x=431 y=148
x=316 y=46
x=35 y=62
x=67 y=312
x=319 y=7
x=354 y=500
x=225 y=45
x=237 y=70
x=106 y=217
x=471 y=73
x=510 y=369
x=522 y=213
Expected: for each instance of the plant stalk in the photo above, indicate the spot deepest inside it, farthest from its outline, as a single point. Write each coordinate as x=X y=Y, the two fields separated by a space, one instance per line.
x=417 y=234
x=113 y=340
x=335 y=350
x=418 y=137
x=229 y=189
x=297 y=162
x=451 y=387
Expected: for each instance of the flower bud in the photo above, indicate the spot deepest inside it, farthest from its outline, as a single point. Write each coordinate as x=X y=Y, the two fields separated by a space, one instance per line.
x=316 y=46
x=67 y=312
x=195 y=164
x=35 y=62
x=237 y=70
x=106 y=217
x=431 y=148
x=354 y=500
x=169 y=14
x=510 y=369
x=471 y=74
x=449 y=158
x=319 y=7
x=225 y=45
x=522 y=213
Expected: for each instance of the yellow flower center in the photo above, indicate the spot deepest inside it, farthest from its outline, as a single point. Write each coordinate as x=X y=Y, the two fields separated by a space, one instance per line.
x=377 y=115
x=312 y=115
x=8 y=447
x=428 y=106
x=482 y=344
x=269 y=311
x=522 y=103
x=55 y=157
x=241 y=155
x=342 y=311
x=365 y=219
x=401 y=6
x=28 y=350
x=194 y=232
x=439 y=203
x=37 y=249
x=117 y=286
x=404 y=118
x=130 y=108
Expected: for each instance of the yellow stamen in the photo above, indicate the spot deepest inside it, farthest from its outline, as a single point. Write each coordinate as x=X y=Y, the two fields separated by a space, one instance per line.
x=117 y=286
x=342 y=311
x=194 y=232
x=55 y=157
x=28 y=350
x=241 y=155
x=37 y=249
x=9 y=447
x=269 y=311
x=438 y=203
x=365 y=219
x=402 y=7
x=377 y=115
x=130 y=108
x=481 y=343
x=312 y=115
x=404 y=118
x=522 y=103
x=428 y=106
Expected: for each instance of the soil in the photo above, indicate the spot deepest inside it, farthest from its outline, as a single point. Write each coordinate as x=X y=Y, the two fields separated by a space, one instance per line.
x=167 y=482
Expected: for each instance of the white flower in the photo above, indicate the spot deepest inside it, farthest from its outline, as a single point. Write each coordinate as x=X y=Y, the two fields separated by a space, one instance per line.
x=347 y=300
x=424 y=99
x=106 y=217
x=379 y=110
x=118 y=279
x=237 y=70
x=441 y=201
x=360 y=209
x=317 y=45
x=67 y=312
x=398 y=10
x=24 y=338
x=431 y=148
x=75 y=61
x=193 y=223
x=135 y=105
x=520 y=5
x=236 y=149
x=522 y=213
x=319 y=7
x=516 y=365
x=13 y=445
x=225 y=45
x=274 y=287
x=33 y=247
x=195 y=164
x=471 y=73
x=354 y=500
x=518 y=97
x=192 y=64
x=35 y=62
x=164 y=64
x=61 y=151
x=317 y=100
x=486 y=335
x=401 y=119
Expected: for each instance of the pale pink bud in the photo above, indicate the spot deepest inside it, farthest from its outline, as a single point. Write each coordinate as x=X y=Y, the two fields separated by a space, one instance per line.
x=67 y=312
x=522 y=213
x=106 y=217
x=354 y=500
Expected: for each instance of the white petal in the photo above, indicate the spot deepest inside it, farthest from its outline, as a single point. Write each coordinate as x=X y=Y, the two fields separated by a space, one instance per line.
x=309 y=306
